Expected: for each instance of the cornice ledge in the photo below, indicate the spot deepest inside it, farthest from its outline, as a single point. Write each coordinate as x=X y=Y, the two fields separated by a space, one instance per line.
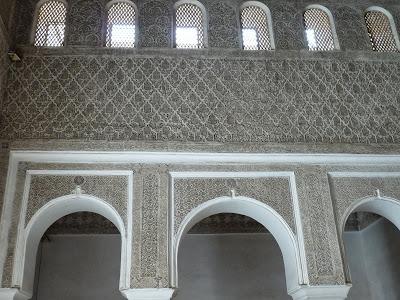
x=148 y=294
x=12 y=294
x=323 y=292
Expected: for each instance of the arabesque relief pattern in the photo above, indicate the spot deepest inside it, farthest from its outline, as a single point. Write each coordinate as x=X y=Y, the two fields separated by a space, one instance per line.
x=199 y=99
x=44 y=188
x=273 y=191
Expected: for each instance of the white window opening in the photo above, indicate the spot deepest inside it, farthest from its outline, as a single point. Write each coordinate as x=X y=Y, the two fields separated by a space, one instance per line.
x=382 y=33
x=189 y=30
x=319 y=30
x=121 y=29
x=50 y=24
x=256 y=33
x=250 y=39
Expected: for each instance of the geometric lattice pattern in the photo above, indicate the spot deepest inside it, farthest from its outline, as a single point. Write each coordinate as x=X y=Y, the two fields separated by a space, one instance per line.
x=189 y=26
x=380 y=32
x=121 y=25
x=50 y=26
x=202 y=99
x=255 y=31
x=318 y=30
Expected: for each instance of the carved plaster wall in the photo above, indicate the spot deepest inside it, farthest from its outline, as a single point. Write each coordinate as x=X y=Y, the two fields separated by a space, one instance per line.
x=85 y=23
x=155 y=19
x=322 y=250
x=202 y=99
x=150 y=264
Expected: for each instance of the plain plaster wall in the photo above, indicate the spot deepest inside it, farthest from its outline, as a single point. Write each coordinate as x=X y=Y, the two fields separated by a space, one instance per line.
x=374 y=261
x=230 y=267
x=79 y=267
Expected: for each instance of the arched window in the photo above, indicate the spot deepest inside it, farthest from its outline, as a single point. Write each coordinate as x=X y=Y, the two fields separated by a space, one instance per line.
x=381 y=30
x=190 y=31
x=50 y=24
x=121 y=24
x=320 y=29
x=255 y=19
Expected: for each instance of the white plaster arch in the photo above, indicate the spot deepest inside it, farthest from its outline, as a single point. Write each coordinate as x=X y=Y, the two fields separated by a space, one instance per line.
x=36 y=17
x=386 y=207
x=28 y=242
x=391 y=22
x=331 y=22
x=260 y=212
x=268 y=14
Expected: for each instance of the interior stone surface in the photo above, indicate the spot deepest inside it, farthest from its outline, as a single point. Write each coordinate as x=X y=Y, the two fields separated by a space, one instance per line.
x=218 y=100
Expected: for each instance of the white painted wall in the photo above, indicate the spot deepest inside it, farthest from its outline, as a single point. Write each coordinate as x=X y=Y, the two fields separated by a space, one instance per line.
x=79 y=267
x=230 y=267
x=374 y=260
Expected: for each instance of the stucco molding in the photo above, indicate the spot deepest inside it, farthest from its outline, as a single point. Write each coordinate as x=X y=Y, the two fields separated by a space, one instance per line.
x=12 y=294
x=148 y=294
x=331 y=292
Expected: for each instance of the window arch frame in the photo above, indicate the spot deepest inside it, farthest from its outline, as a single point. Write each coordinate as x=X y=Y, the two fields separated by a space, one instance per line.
x=392 y=23
x=336 y=44
x=205 y=23
x=131 y=3
x=36 y=19
x=267 y=11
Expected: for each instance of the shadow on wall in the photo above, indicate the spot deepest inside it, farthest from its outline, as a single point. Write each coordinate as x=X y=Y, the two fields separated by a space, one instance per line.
x=374 y=261
x=231 y=267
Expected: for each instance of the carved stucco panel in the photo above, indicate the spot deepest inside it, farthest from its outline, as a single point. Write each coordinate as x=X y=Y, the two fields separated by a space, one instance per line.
x=191 y=192
x=85 y=23
x=320 y=236
x=223 y=25
x=201 y=99
x=347 y=190
x=44 y=188
x=155 y=22
x=149 y=247
x=150 y=231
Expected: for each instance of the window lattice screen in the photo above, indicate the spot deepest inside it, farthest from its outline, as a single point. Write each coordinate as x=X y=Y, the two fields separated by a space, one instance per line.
x=121 y=25
x=189 y=30
x=255 y=31
x=380 y=32
x=50 y=26
x=318 y=30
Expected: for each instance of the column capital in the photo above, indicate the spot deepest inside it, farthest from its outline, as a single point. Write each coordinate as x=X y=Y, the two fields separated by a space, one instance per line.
x=12 y=294
x=148 y=294
x=322 y=292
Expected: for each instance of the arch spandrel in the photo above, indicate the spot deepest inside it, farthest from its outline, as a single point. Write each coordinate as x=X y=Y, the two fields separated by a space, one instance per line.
x=43 y=188
x=349 y=190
